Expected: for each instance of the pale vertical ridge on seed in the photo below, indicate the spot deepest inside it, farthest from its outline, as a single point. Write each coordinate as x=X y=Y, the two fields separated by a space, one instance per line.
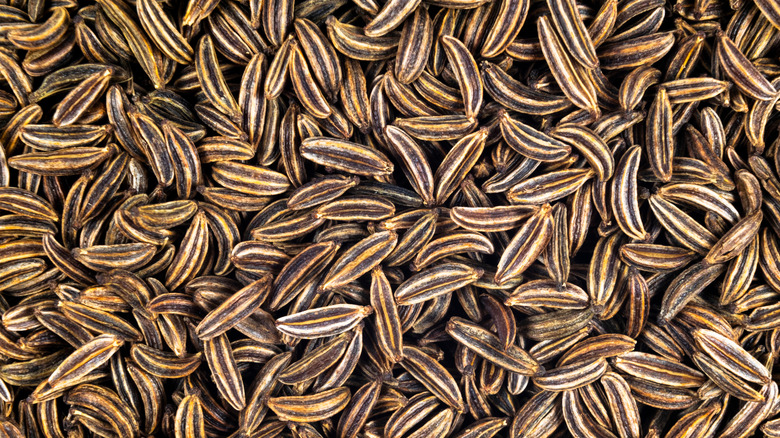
x=509 y=21
x=744 y=74
x=527 y=244
x=577 y=87
x=568 y=21
x=467 y=73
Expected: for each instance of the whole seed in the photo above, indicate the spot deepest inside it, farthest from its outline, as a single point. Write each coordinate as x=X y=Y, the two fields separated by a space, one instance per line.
x=409 y=218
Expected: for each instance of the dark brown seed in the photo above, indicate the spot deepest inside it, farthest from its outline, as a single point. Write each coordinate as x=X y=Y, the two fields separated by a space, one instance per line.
x=360 y=259
x=527 y=244
x=376 y=218
x=91 y=355
x=433 y=376
x=310 y=408
x=163 y=364
x=433 y=282
x=238 y=307
x=322 y=322
x=349 y=157
x=487 y=345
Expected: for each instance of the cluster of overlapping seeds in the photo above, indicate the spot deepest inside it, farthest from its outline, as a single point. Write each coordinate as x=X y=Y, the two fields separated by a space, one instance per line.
x=409 y=219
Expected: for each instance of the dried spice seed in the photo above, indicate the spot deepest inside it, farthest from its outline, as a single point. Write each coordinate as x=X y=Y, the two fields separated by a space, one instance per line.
x=410 y=218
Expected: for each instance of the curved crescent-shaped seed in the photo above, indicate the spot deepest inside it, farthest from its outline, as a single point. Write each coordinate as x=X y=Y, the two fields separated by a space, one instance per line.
x=416 y=165
x=744 y=74
x=433 y=376
x=590 y=145
x=507 y=25
x=86 y=358
x=414 y=47
x=62 y=162
x=487 y=345
x=45 y=35
x=323 y=321
x=392 y=14
x=732 y=356
x=530 y=142
x=458 y=163
x=164 y=364
x=324 y=61
x=224 y=369
x=312 y=407
x=571 y=78
x=360 y=259
x=235 y=309
x=189 y=421
x=434 y=282
x=163 y=32
x=625 y=196
x=572 y=376
x=346 y=156
x=528 y=243
x=687 y=286
x=252 y=180
x=467 y=74
x=212 y=81
x=567 y=19
x=516 y=96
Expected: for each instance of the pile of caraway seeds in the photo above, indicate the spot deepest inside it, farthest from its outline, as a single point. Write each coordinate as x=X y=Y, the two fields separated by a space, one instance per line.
x=409 y=219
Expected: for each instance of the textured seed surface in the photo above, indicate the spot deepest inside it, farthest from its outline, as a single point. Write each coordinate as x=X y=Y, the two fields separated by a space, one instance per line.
x=403 y=218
